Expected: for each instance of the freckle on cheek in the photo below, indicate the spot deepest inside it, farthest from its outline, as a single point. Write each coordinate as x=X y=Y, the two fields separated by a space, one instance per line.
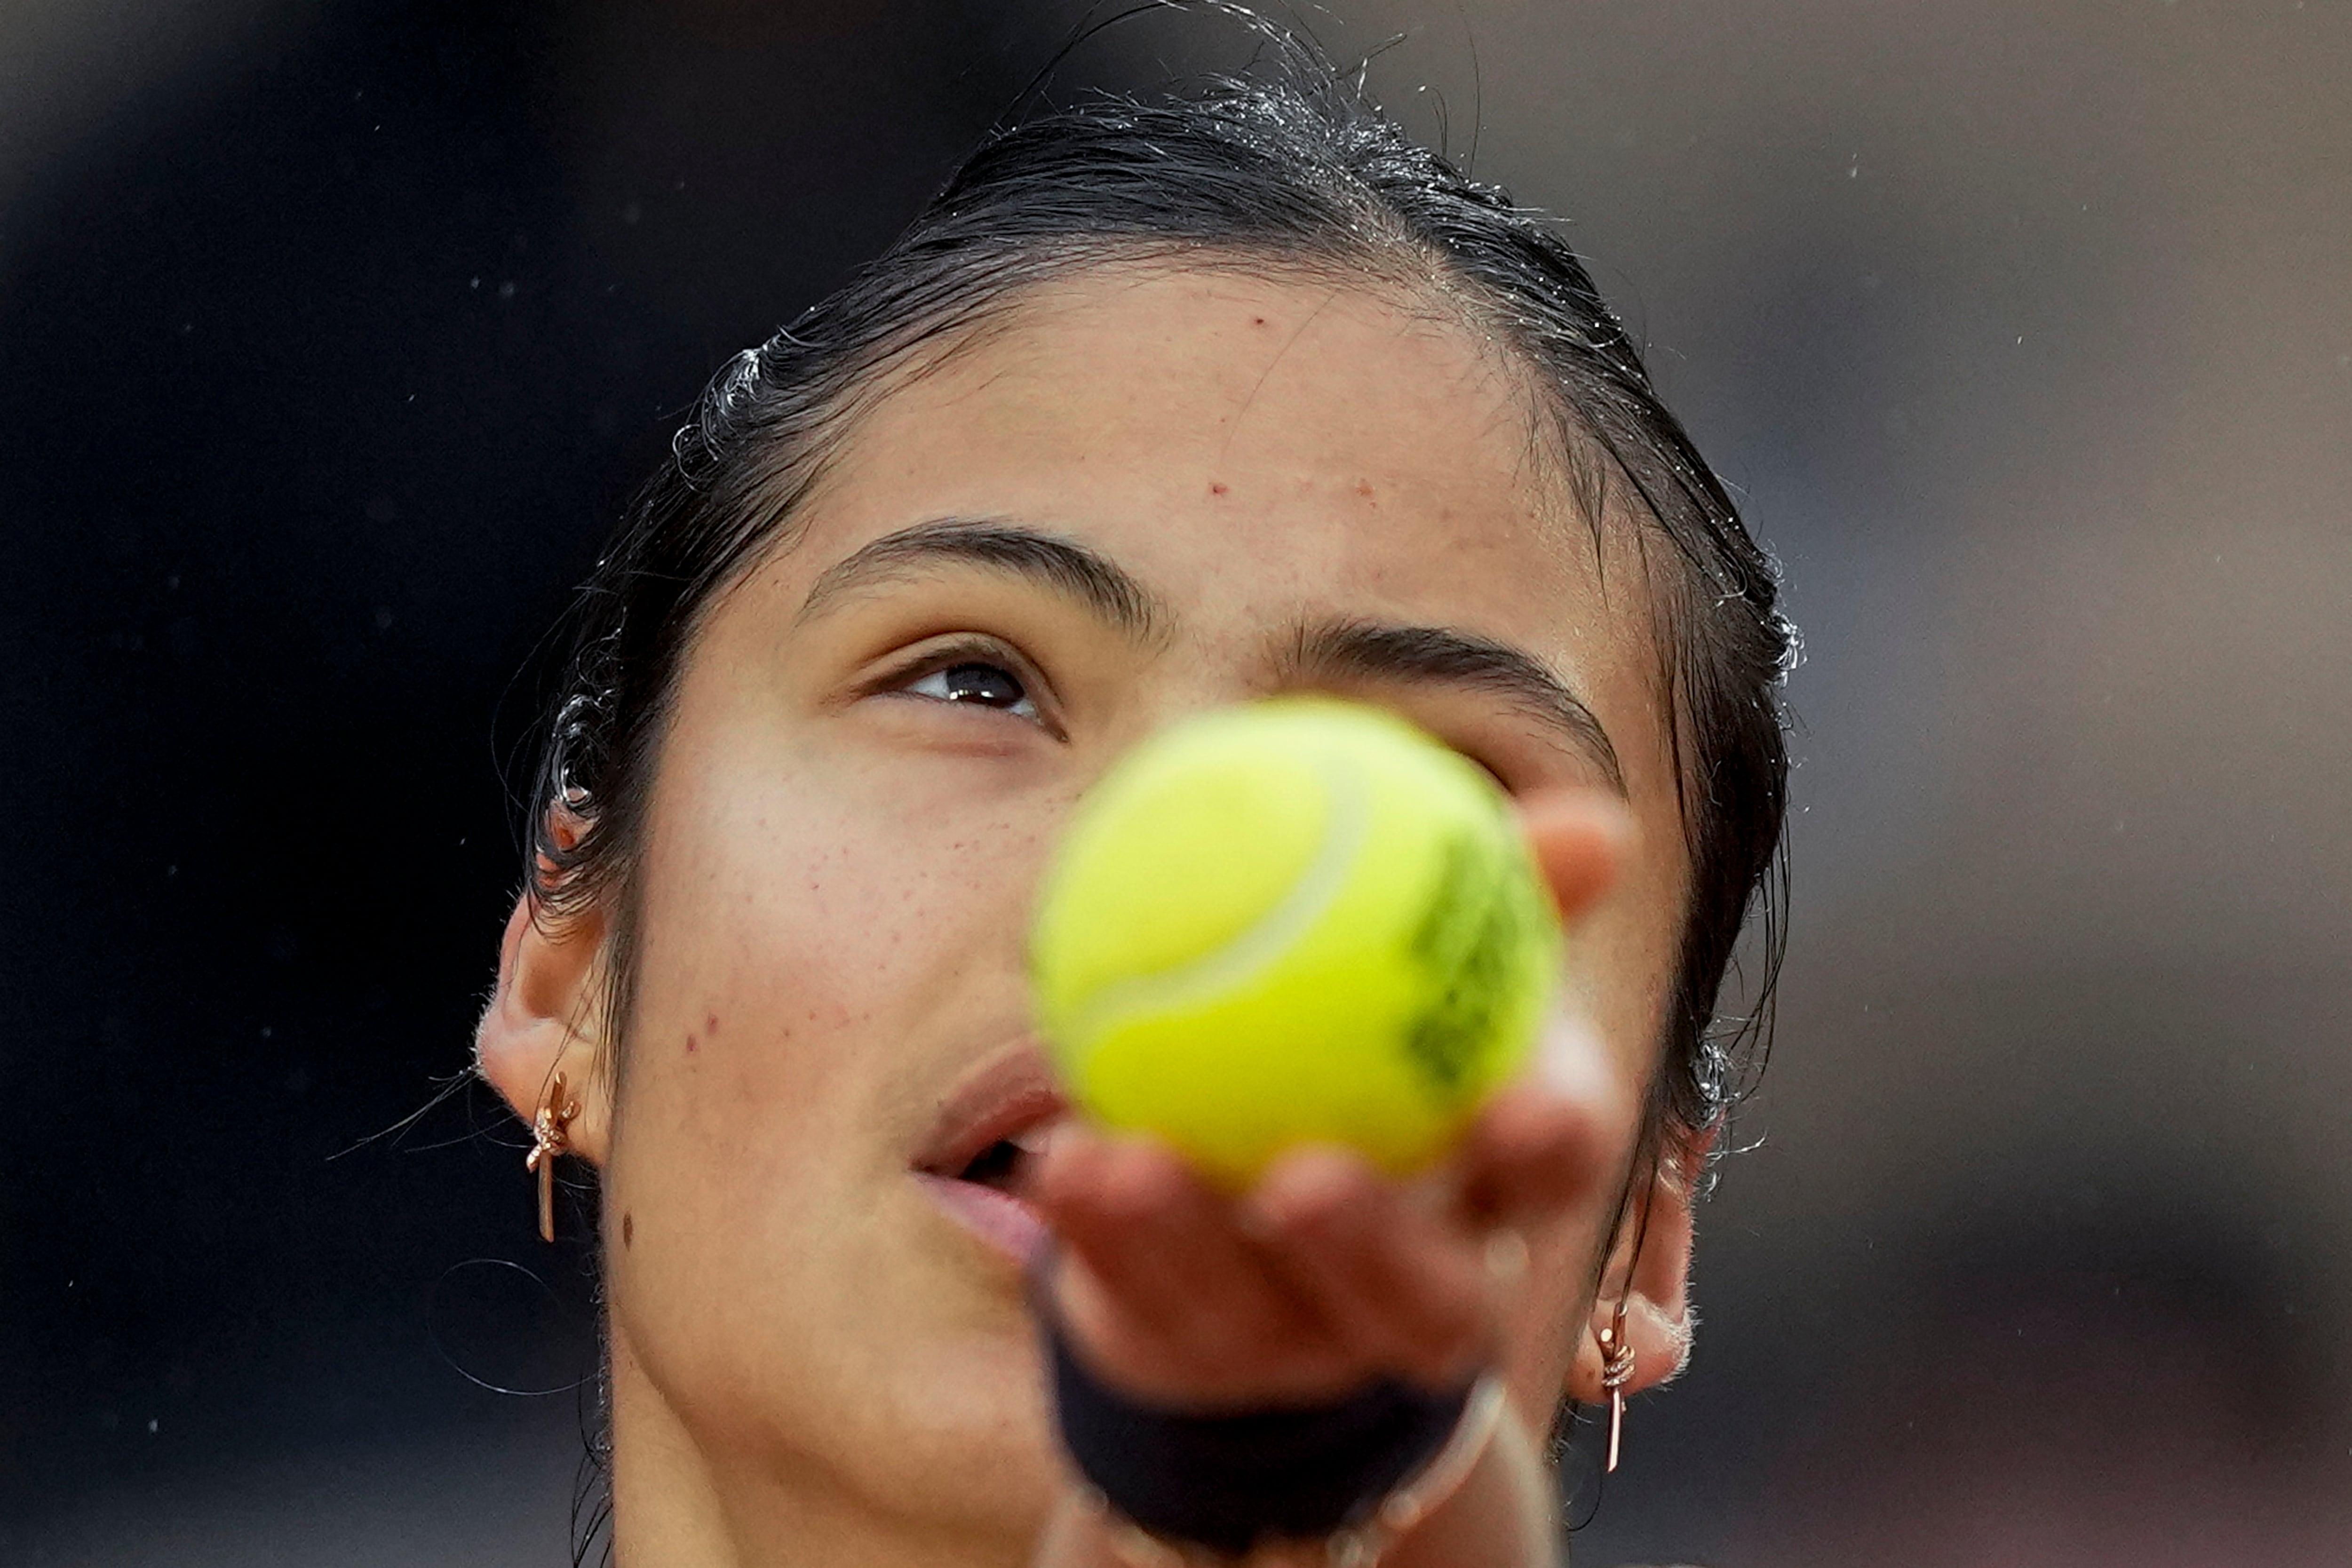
x=1216 y=489
x=628 y=1231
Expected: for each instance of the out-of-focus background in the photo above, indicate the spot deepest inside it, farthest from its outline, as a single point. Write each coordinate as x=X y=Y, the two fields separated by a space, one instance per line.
x=331 y=334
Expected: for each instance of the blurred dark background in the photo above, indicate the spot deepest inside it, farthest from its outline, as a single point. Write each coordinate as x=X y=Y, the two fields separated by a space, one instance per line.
x=333 y=334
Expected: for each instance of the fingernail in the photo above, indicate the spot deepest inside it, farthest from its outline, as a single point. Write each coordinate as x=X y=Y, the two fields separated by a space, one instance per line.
x=1042 y=1141
x=1570 y=1056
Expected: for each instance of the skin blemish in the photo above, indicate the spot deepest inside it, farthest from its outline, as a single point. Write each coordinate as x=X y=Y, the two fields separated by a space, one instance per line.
x=1216 y=489
x=1364 y=489
x=628 y=1231
x=710 y=1023
x=1257 y=321
x=691 y=1044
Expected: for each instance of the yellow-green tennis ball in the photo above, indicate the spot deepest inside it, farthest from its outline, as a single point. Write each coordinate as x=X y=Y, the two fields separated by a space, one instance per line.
x=1298 y=921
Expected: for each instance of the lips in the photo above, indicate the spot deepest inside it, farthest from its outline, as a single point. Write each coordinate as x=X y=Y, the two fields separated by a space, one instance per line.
x=988 y=1128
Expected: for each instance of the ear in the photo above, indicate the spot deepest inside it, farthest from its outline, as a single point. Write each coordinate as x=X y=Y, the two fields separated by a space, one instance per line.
x=1656 y=1282
x=547 y=1017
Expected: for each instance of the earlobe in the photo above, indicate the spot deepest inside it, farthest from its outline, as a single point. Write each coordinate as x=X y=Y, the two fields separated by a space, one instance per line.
x=1653 y=1284
x=546 y=1018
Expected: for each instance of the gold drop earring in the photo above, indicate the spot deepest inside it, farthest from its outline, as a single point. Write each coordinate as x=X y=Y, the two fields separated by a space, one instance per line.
x=1616 y=1372
x=551 y=1134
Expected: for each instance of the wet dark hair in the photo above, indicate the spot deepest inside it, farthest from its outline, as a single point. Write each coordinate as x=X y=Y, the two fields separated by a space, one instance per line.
x=1299 y=176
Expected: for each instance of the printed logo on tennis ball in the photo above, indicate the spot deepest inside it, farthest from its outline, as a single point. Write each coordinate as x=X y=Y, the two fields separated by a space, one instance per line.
x=1298 y=921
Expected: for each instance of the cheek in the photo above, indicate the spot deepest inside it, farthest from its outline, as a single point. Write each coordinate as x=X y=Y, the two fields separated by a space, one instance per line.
x=821 y=947
x=806 y=928
x=1625 y=960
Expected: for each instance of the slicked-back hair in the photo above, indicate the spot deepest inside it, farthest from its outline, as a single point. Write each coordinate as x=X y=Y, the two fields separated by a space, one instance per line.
x=1297 y=175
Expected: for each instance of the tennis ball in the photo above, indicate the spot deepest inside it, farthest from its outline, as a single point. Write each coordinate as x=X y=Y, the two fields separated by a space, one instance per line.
x=1297 y=920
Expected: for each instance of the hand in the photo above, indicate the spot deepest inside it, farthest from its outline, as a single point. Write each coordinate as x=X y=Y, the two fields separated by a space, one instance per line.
x=1324 y=1274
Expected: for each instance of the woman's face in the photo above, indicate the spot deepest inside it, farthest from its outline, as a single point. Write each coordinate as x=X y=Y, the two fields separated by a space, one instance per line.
x=1147 y=493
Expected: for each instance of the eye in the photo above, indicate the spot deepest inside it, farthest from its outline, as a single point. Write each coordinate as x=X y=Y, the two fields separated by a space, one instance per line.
x=976 y=681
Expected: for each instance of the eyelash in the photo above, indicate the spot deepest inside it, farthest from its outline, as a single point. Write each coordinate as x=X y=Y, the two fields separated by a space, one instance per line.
x=995 y=655
x=980 y=651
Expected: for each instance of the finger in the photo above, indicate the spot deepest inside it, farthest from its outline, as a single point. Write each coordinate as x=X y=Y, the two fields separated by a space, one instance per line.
x=1581 y=840
x=1157 y=1281
x=1108 y=1201
x=1408 y=1291
x=1146 y=1229
x=1548 y=1138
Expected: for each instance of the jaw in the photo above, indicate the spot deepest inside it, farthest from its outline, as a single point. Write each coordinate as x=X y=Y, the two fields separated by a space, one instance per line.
x=688 y=1496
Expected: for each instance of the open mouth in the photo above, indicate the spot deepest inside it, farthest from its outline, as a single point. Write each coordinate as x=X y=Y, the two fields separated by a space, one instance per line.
x=976 y=1163
x=1004 y=1163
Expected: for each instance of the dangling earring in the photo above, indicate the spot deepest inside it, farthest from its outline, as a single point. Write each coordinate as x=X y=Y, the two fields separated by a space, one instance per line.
x=1616 y=1372
x=551 y=1134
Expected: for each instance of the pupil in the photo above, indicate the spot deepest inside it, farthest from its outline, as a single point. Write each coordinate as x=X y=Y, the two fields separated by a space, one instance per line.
x=983 y=683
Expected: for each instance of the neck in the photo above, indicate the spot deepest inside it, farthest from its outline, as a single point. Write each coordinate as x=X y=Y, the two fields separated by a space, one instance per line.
x=679 y=1502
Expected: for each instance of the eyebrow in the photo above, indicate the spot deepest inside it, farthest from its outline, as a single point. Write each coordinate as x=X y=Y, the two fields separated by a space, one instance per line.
x=1064 y=565
x=1363 y=650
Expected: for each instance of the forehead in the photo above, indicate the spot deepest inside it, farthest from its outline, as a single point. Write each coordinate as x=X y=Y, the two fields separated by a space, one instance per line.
x=1256 y=447
x=1260 y=457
